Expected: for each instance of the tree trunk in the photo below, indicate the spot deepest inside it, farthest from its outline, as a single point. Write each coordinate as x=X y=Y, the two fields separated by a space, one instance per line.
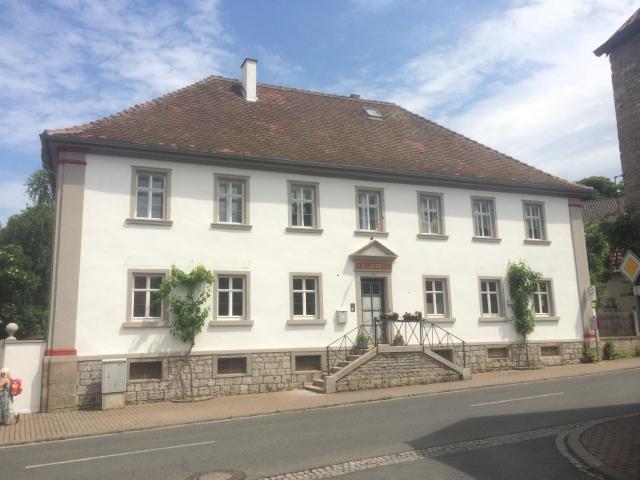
x=190 y=369
x=526 y=350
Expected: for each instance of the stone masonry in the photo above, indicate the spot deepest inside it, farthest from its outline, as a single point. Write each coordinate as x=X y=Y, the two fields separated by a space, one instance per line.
x=625 y=73
x=395 y=369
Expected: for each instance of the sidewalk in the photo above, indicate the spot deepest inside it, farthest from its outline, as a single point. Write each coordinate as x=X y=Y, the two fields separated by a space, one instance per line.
x=51 y=426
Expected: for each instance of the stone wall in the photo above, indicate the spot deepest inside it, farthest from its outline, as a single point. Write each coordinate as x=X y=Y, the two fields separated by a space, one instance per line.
x=266 y=372
x=395 y=369
x=624 y=345
x=479 y=360
x=625 y=68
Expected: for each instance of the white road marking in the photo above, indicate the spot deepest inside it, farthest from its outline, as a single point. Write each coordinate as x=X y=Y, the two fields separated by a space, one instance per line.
x=517 y=399
x=135 y=452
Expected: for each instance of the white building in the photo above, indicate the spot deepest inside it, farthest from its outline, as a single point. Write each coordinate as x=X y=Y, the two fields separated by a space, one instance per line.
x=316 y=212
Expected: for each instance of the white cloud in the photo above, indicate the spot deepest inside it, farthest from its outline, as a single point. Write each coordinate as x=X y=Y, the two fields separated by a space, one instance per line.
x=76 y=60
x=526 y=82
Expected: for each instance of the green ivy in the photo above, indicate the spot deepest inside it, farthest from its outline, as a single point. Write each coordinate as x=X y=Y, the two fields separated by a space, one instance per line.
x=187 y=293
x=522 y=284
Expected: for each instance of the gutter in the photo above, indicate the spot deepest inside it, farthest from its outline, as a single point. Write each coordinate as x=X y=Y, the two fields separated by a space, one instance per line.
x=55 y=143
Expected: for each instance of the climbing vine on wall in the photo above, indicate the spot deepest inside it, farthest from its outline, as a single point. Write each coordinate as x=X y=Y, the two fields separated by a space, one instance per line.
x=522 y=284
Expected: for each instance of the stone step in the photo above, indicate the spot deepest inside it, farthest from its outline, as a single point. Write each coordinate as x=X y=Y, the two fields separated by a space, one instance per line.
x=313 y=388
x=353 y=357
x=318 y=383
x=335 y=369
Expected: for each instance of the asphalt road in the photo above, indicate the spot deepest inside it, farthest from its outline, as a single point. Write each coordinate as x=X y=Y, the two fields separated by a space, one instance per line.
x=492 y=433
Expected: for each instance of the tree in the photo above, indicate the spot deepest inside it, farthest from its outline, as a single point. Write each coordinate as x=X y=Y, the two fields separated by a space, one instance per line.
x=186 y=294
x=32 y=231
x=603 y=187
x=522 y=284
x=597 y=254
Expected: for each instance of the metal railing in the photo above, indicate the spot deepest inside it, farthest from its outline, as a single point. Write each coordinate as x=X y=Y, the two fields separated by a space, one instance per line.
x=396 y=332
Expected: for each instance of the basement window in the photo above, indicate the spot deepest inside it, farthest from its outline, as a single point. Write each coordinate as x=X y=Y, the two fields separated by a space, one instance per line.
x=499 y=352
x=550 y=351
x=373 y=113
x=306 y=363
x=232 y=366
x=145 y=370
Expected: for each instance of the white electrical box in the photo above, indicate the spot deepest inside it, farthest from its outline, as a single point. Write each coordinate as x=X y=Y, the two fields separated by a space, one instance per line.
x=341 y=315
x=114 y=375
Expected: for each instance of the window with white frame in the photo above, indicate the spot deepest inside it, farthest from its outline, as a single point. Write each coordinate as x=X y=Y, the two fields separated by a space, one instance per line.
x=231 y=297
x=484 y=218
x=305 y=296
x=431 y=214
x=436 y=297
x=231 y=200
x=302 y=201
x=146 y=304
x=151 y=195
x=370 y=217
x=534 y=221
x=490 y=298
x=542 y=299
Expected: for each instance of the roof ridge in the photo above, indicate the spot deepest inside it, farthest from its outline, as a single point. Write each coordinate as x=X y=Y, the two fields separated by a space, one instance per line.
x=489 y=148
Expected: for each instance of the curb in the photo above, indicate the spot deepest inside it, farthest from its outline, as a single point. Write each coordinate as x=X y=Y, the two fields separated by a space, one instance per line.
x=578 y=449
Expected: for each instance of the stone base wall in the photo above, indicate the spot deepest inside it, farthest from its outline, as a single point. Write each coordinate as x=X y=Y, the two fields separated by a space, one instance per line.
x=624 y=345
x=502 y=356
x=394 y=370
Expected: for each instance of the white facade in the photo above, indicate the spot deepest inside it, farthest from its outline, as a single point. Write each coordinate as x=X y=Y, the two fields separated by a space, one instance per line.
x=111 y=248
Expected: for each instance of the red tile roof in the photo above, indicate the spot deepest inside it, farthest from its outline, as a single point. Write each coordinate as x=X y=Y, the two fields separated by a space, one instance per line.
x=211 y=117
x=602 y=210
x=625 y=32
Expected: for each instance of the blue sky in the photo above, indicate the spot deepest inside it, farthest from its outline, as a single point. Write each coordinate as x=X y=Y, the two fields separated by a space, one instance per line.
x=517 y=75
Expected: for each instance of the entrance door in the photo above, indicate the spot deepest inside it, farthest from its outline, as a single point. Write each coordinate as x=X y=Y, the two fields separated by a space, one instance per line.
x=372 y=291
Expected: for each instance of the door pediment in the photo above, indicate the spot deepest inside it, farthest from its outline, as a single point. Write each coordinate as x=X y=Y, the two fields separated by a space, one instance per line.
x=373 y=256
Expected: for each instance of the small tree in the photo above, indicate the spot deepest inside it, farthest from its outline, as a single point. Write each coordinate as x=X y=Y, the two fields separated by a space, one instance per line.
x=522 y=284
x=187 y=293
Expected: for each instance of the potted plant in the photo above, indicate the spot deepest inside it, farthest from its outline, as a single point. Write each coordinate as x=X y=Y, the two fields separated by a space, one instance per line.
x=362 y=341
x=412 y=317
x=398 y=340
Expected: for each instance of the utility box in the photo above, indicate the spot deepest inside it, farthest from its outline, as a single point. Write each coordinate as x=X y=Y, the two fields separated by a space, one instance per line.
x=114 y=383
x=341 y=315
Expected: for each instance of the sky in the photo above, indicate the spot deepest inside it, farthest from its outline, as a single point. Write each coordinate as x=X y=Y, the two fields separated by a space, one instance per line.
x=517 y=75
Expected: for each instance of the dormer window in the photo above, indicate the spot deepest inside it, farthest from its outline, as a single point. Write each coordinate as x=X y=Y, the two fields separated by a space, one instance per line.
x=373 y=113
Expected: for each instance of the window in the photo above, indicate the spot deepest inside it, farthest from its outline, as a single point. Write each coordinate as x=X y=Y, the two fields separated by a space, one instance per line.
x=550 y=351
x=305 y=363
x=231 y=201
x=491 y=298
x=151 y=195
x=373 y=113
x=534 y=221
x=542 y=301
x=231 y=366
x=431 y=214
x=145 y=370
x=303 y=205
x=484 y=218
x=305 y=296
x=231 y=297
x=436 y=297
x=370 y=217
x=498 y=352
x=145 y=305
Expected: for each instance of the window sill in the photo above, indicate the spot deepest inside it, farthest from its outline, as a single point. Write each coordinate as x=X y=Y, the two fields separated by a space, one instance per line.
x=230 y=226
x=230 y=375
x=493 y=319
x=529 y=241
x=440 y=319
x=145 y=380
x=316 y=231
x=148 y=221
x=370 y=233
x=431 y=236
x=145 y=324
x=306 y=321
x=551 y=318
x=486 y=239
x=231 y=323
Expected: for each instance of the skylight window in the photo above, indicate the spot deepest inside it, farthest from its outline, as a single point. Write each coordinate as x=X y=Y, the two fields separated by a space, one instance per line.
x=373 y=113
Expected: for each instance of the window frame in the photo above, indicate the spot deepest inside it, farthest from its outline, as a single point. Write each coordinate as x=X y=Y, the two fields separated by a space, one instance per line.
x=381 y=212
x=493 y=217
x=447 y=316
x=422 y=233
x=543 y=223
x=248 y=365
x=552 y=315
x=245 y=180
x=318 y=318
x=502 y=312
x=130 y=320
x=166 y=201
x=163 y=369
x=315 y=188
x=218 y=320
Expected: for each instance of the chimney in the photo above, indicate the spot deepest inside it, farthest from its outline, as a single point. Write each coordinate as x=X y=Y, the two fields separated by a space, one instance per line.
x=249 y=79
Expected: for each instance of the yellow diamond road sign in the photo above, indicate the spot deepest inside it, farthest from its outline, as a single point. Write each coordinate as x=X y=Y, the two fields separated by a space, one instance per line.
x=630 y=267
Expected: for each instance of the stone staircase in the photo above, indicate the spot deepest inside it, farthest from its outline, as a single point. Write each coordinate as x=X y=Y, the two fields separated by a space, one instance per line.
x=318 y=384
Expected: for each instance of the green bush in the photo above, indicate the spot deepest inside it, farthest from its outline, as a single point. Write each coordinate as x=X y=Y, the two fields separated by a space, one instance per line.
x=590 y=356
x=609 y=352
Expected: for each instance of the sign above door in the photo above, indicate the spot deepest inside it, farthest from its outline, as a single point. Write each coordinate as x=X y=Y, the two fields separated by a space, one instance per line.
x=373 y=257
